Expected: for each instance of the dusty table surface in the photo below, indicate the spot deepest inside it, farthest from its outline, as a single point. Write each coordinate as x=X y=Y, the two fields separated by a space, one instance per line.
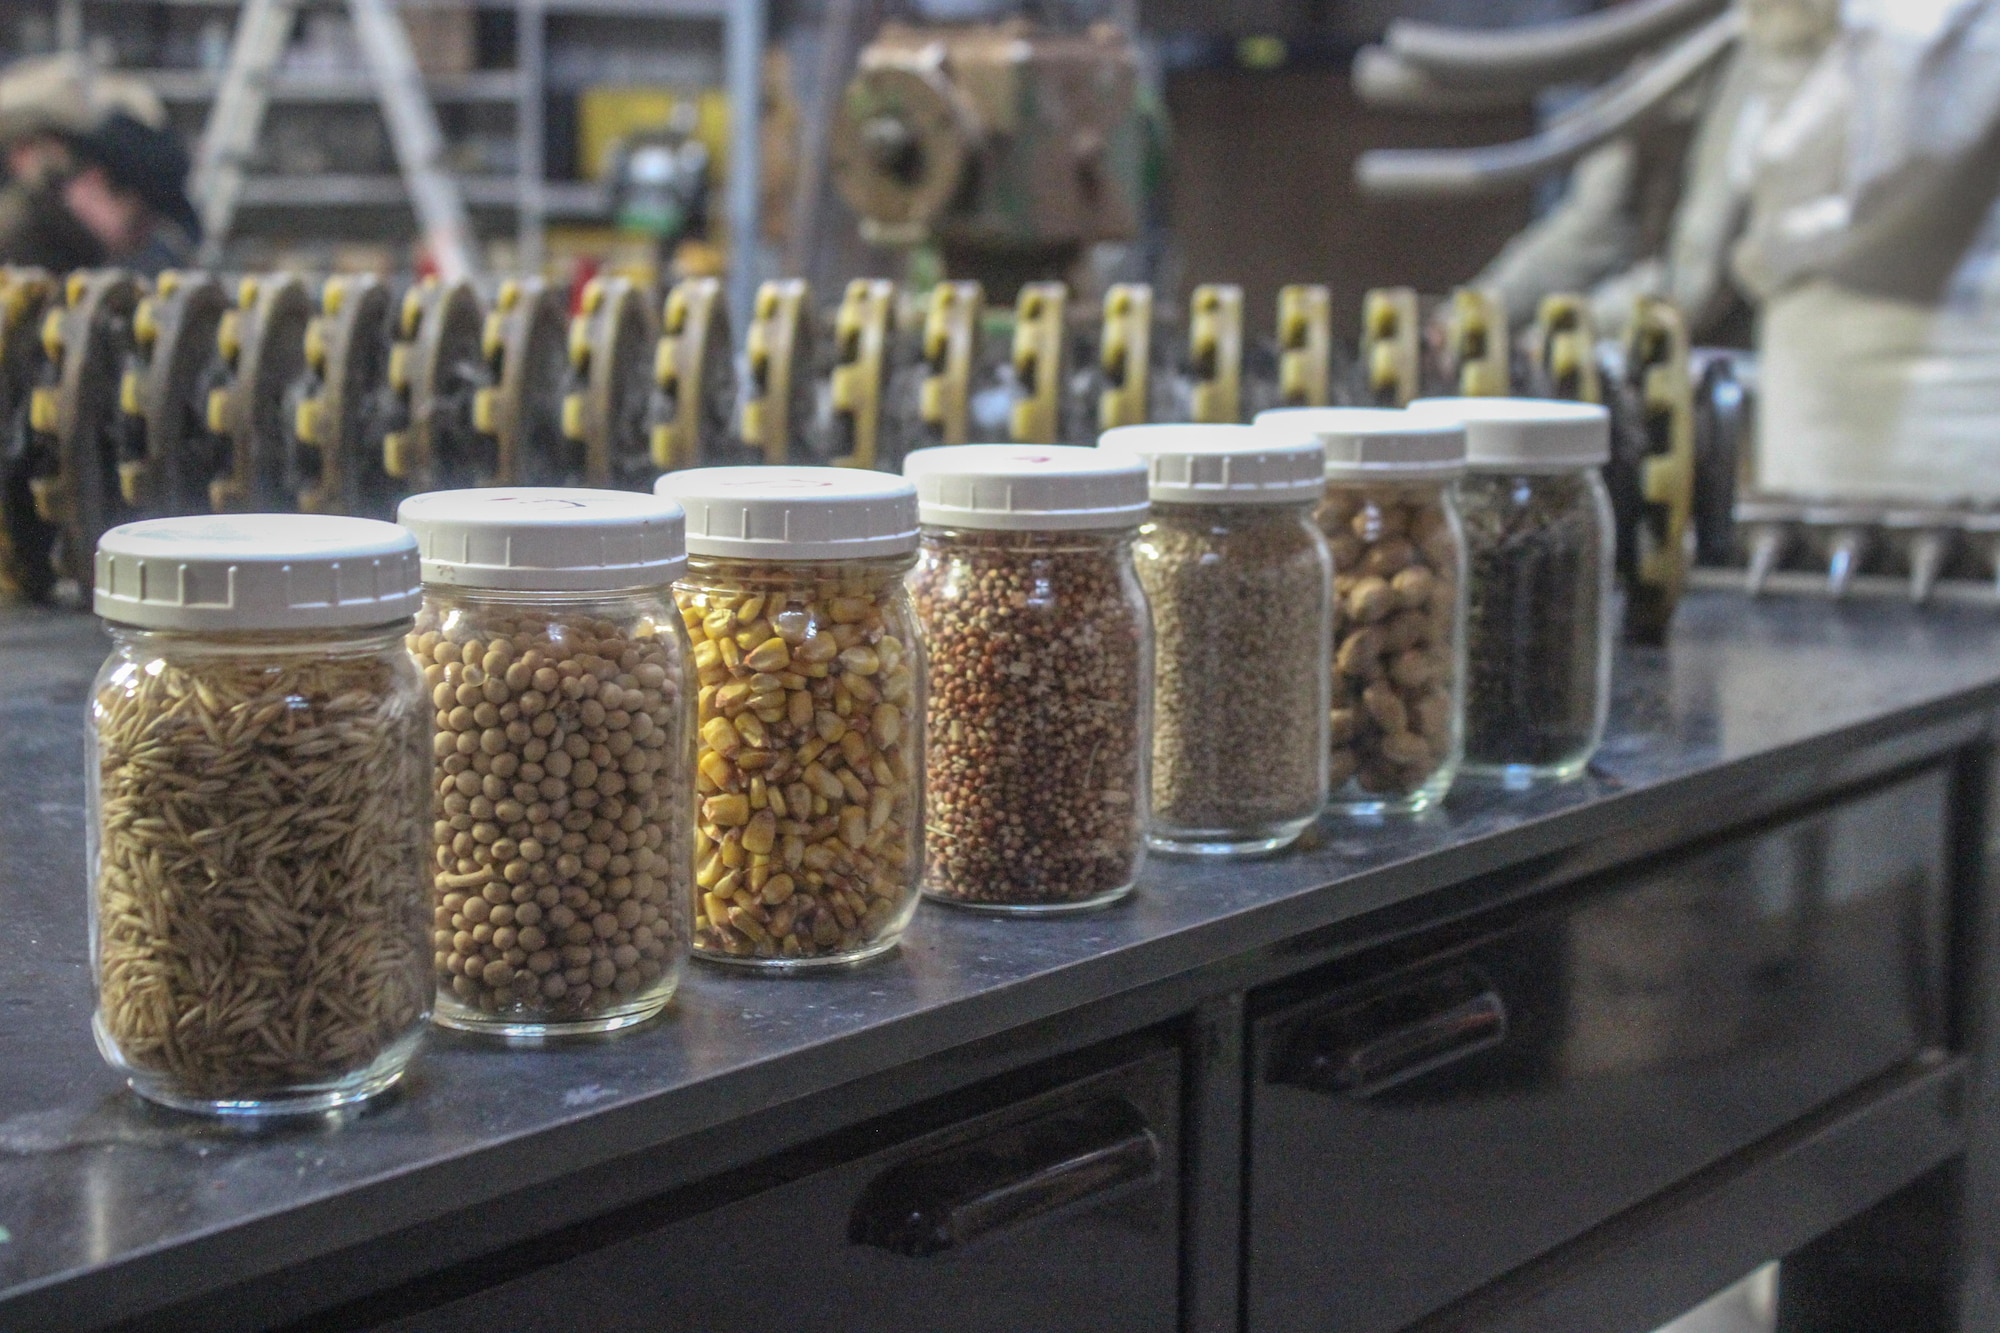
x=110 y=1208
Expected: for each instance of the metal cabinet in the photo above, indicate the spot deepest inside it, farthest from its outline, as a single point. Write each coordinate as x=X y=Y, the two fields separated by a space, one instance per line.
x=1426 y=1119
x=1056 y=1211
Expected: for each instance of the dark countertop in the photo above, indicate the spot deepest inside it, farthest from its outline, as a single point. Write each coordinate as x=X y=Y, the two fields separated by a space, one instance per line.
x=109 y=1208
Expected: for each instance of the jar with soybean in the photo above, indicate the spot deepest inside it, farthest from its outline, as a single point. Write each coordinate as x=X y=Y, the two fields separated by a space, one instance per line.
x=1540 y=534
x=1041 y=668
x=561 y=834
x=1390 y=515
x=810 y=689
x=259 y=794
x=1240 y=585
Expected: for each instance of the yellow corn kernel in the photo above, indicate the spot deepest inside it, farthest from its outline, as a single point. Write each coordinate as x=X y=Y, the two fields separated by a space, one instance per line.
x=720 y=736
x=761 y=833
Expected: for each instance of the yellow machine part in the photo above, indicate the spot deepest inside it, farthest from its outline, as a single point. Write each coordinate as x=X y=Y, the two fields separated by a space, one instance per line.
x=1125 y=354
x=1039 y=313
x=861 y=331
x=1215 y=351
x=1305 y=345
x=951 y=351
x=1391 y=345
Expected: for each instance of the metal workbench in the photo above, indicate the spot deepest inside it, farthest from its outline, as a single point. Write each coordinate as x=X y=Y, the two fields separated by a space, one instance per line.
x=1564 y=1059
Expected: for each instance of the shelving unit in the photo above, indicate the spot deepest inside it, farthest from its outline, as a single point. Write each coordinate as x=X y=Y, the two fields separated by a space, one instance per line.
x=527 y=194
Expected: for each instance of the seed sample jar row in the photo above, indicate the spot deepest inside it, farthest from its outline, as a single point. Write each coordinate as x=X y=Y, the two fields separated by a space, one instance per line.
x=1239 y=581
x=562 y=834
x=809 y=836
x=1390 y=515
x=1540 y=538
x=1040 y=675
x=260 y=905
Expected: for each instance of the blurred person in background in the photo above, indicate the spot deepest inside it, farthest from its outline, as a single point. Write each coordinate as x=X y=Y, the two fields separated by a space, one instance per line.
x=95 y=173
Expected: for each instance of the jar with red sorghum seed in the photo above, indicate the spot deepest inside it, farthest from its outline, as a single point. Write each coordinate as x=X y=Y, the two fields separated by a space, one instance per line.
x=808 y=835
x=1041 y=663
x=1240 y=585
x=1391 y=517
x=561 y=837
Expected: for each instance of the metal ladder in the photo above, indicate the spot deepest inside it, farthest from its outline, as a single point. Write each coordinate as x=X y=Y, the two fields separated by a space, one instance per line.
x=237 y=117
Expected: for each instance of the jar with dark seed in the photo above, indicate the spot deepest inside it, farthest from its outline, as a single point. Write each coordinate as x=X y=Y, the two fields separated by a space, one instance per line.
x=1040 y=675
x=561 y=838
x=810 y=675
x=1540 y=535
x=1390 y=515
x=1240 y=585
x=260 y=907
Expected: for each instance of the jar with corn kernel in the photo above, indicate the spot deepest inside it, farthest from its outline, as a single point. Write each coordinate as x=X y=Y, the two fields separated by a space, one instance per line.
x=810 y=691
x=564 y=789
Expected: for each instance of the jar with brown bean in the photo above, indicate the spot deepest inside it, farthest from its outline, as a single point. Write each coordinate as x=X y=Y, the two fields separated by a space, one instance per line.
x=1390 y=516
x=810 y=694
x=562 y=838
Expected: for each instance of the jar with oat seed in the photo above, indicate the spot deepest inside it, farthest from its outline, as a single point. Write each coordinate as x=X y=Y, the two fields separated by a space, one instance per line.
x=1241 y=586
x=1391 y=517
x=564 y=778
x=808 y=836
x=259 y=795
x=1041 y=670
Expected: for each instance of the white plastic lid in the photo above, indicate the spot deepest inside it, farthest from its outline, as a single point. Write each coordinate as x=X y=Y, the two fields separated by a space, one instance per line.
x=257 y=571
x=1375 y=443
x=1531 y=434
x=546 y=538
x=1028 y=487
x=794 y=513
x=1222 y=463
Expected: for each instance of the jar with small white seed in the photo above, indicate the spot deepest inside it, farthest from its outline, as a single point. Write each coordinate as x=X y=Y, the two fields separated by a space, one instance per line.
x=561 y=837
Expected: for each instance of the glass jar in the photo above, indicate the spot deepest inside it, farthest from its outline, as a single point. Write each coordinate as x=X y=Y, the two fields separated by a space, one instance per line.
x=562 y=834
x=1390 y=514
x=258 y=795
x=1040 y=675
x=809 y=837
x=1541 y=540
x=1240 y=585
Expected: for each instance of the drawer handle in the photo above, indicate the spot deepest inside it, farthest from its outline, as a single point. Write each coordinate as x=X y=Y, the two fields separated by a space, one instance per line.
x=1366 y=1048
x=934 y=1204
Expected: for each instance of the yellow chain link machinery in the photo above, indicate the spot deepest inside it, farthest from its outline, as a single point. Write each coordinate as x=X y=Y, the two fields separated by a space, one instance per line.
x=778 y=400
x=74 y=415
x=1040 y=340
x=339 y=466
x=1305 y=345
x=695 y=375
x=25 y=541
x=524 y=344
x=1215 y=352
x=951 y=353
x=1392 y=346
x=607 y=412
x=1476 y=347
x=1125 y=356
x=1656 y=368
x=862 y=328
x=1565 y=349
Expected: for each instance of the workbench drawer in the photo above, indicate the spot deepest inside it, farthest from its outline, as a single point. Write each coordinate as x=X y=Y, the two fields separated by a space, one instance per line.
x=1420 y=1125
x=1057 y=1211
